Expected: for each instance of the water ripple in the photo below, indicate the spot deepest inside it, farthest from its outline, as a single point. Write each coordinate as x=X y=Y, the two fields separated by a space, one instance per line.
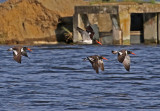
x=56 y=78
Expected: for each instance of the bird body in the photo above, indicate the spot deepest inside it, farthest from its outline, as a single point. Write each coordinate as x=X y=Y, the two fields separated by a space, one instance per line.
x=18 y=51
x=87 y=35
x=124 y=58
x=97 y=62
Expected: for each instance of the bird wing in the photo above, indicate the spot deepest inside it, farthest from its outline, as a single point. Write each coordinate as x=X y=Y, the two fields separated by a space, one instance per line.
x=100 y=64
x=114 y=52
x=90 y=31
x=80 y=30
x=17 y=54
x=85 y=35
x=121 y=58
x=126 y=62
x=17 y=58
x=94 y=61
x=24 y=53
x=95 y=67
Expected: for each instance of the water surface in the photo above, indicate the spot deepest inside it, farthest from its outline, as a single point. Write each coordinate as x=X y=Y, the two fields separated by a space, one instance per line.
x=55 y=79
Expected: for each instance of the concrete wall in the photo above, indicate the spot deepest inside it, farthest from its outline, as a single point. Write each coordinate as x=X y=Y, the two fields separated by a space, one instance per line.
x=150 y=28
x=75 y=24
x=124 y=19
x=102 y=16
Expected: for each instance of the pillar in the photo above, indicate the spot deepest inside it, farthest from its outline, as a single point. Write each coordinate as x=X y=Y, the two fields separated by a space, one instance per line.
x=150 y=28
x=125 y=21
x=76 y=23
x=158 y=26
x=116 y=34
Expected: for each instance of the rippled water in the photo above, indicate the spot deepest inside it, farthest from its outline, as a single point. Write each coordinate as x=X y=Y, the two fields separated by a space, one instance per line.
x=55 y=79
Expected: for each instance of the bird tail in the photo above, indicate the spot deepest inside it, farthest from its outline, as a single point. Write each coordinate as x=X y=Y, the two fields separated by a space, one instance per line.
x=114 y=52
x=85 y=59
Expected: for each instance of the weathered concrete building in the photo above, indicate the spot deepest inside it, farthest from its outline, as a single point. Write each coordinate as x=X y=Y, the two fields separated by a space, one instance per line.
x=123 y=24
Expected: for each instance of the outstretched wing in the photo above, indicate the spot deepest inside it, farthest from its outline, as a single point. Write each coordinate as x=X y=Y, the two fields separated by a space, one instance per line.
x=100 y=64
x=114 y=52
x=17 y=55
x=17 y=58
x=126 y=62
x=121 y=58
x=90 y=31
x=80 y=30
x=95 y=67
x=94 y=61
x=24 y=53
x=85 y=35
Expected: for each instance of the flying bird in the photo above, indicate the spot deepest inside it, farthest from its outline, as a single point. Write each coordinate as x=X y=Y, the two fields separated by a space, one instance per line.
x=97 y=62
x=18 y=52
x=123 y=57
x=87 y=34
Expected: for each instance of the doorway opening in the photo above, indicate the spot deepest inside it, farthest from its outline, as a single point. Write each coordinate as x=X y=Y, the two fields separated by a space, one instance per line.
x=136 y=28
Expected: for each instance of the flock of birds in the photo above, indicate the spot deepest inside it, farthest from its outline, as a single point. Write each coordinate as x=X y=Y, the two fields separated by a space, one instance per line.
x=95 y=60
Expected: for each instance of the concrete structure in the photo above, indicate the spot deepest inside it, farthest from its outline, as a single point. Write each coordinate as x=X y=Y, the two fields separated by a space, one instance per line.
x=123 y=24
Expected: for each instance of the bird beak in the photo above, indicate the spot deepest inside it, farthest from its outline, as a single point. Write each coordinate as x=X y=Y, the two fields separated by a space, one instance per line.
x=98 y=42
x=105 y=58
x=29 y=49
x=133 y=53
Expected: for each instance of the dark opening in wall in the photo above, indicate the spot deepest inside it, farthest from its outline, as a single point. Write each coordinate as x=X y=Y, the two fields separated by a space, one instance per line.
x=136 y=22
x=137 y=28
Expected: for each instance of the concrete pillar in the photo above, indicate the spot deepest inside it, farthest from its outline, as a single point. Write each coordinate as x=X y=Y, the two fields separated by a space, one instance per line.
x=125 y=21
x=76 y=23
x=116 y=34
x=150 y=28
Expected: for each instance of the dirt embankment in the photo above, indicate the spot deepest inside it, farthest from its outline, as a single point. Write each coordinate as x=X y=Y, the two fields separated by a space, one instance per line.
x=33 y=21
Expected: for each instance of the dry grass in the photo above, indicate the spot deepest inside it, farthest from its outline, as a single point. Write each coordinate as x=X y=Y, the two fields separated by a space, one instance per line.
x=109 y=1
x=68 y=35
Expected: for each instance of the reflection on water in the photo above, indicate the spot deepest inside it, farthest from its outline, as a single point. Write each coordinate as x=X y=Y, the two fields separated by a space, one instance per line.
x=56 y=78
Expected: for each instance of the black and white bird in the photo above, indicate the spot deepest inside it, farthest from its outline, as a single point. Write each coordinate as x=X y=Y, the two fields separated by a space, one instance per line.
x=97 y=62
x=18 y=51
x=87 y=35
x=123 y=57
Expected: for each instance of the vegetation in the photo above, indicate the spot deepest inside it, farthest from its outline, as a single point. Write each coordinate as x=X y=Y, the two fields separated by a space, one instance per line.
x=103 y=1
x=68 y=35
x=2 y=37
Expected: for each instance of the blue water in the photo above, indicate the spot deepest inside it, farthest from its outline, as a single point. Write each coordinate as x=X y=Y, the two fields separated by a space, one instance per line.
x=55 y=79
x=1 y=1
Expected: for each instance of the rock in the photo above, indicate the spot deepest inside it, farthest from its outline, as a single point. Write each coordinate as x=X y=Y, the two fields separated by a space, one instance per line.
x=28 y=21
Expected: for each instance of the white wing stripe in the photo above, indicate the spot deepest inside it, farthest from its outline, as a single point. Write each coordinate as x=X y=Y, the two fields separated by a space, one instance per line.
x=22 y=50
x=91 y=59
x=15 y=52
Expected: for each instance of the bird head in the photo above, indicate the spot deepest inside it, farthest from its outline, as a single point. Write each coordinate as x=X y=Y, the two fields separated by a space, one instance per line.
x=26 y=48
x=10 y=49
x=101 y=57
x=130 y=52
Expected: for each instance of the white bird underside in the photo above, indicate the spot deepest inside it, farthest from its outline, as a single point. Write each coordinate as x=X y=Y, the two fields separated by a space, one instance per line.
x=87 y=41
